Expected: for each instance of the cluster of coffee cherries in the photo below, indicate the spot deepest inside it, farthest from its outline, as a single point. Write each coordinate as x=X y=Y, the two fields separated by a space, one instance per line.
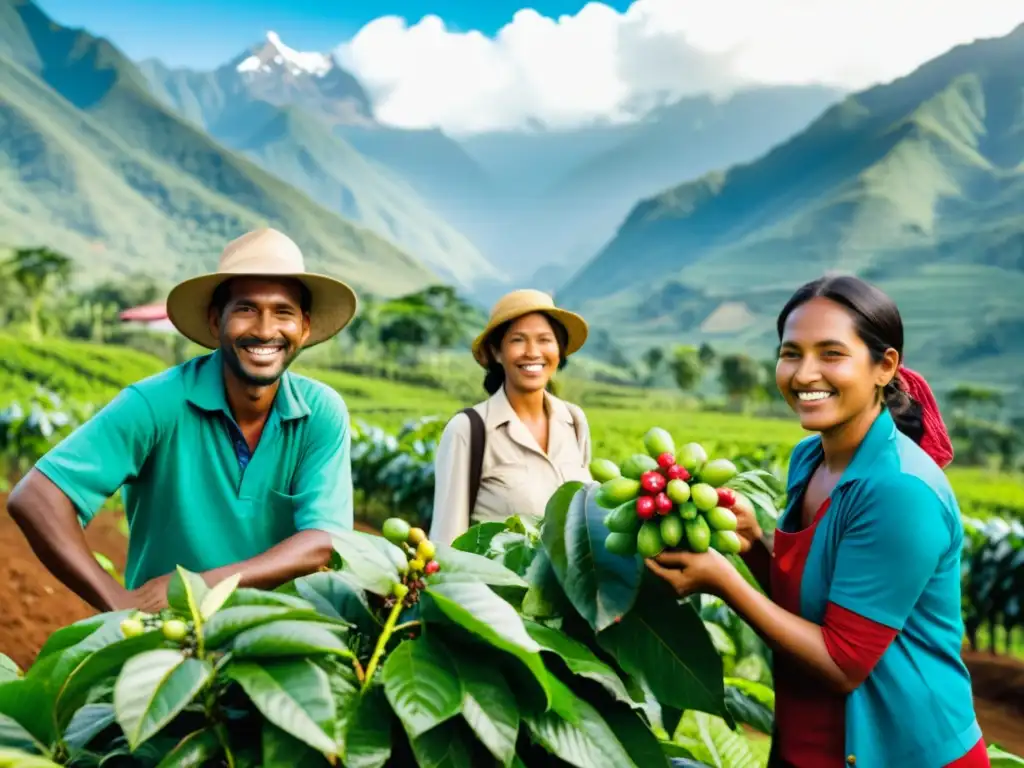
x=418 y=562
x=174 y=629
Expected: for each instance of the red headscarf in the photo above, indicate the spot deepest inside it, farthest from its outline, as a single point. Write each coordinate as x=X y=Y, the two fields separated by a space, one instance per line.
x=936 y=442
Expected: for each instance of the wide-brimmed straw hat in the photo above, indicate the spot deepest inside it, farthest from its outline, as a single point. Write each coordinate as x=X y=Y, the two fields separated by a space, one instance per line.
x=261 y=253
x=524 y=302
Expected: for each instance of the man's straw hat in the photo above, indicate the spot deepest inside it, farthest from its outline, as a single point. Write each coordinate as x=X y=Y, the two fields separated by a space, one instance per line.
x=524 y=302
x=261 y=253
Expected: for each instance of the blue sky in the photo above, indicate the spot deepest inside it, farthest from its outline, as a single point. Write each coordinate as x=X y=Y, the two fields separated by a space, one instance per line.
x=206 y=33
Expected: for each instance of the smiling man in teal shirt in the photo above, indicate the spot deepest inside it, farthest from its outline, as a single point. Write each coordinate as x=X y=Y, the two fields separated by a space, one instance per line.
x=229 y=463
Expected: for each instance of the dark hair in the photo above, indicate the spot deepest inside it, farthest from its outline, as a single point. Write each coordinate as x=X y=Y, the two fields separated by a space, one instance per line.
x=222 y=295
x=879 y=325
x=494 y=379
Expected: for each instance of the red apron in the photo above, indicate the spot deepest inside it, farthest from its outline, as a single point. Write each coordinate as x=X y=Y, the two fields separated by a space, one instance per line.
x=810 y=720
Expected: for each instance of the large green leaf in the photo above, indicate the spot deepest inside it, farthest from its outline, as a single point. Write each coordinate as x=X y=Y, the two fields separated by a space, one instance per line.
x=488 y=706
x=8 y=669
x=457 y=565
x=282 y=750
x=294 y=695
x=227 y=623
x=29 y=701
x=369 y=734
x=67 y=660
x=556 y=514
x=186 y=592
x=337 y=596
x=153 y=688
x=422 y=685
x=213 y=600
x=478 y=610
x=579 y=659
x=1000 y=758
x=477 y=539
x=73 y=634
x=12 y=758
x=666 y=645
x=288 y=638
x=633 y=733
x=545 y=597
x=366 y=563
x=750 y=703
x=447 y=746
x=602 y=587
x=720 y=638
x=250 y=596
x=14 y=735
x=513 y=550
x=101 y=665
x=711 y=741
x=198 y=749
x=575 y=732
x=87 y=723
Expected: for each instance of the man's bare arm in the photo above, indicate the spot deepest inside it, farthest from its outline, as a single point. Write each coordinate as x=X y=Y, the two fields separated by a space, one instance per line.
x=48 y=520
x=298 y=555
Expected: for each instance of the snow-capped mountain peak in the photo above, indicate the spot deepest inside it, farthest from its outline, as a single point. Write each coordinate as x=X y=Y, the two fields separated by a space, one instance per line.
x=274 y=54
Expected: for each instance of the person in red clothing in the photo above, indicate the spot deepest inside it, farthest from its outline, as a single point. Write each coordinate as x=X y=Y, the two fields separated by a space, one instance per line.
x=863 y=570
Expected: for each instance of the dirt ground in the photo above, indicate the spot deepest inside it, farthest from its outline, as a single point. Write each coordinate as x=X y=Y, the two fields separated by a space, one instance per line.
x=33 y=604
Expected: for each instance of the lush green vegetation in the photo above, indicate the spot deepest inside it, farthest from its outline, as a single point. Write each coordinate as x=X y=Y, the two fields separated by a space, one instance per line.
x=912 y=184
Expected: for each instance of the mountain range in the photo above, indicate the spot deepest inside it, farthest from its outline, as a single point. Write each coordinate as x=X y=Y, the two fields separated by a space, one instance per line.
x=691 y=223
x=92 y=163
x=917 y=185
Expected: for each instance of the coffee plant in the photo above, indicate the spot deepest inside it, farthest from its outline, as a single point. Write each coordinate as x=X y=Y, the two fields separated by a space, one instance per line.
x=993 y=578
x=513 y=647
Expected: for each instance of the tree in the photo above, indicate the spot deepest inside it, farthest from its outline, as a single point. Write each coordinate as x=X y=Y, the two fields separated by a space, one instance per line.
x=686 y=368
x=740 y=375
x=707 y=355
x=38 y=272
x=653 y=359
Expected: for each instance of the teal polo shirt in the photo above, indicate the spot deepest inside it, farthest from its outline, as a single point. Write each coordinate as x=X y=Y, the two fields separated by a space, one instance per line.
x=889 y=549
x=193 y=495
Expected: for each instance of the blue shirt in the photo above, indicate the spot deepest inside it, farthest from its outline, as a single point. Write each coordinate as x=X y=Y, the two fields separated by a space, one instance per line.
x=194 y=494
x=889 y=549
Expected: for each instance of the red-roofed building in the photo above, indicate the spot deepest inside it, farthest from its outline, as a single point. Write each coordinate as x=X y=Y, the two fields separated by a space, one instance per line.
x=152 y=316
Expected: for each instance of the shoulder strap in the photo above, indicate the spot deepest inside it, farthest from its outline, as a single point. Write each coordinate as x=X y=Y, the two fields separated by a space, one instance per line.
x=477 y=438
x=576 y=423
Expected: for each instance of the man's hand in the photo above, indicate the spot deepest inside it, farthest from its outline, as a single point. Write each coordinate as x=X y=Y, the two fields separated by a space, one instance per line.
x=151 y=597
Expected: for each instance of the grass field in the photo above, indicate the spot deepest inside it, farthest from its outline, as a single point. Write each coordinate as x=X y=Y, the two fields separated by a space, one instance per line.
x=618 y=415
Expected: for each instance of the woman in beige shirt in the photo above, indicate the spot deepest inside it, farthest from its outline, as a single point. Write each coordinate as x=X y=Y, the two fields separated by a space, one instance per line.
x=534 y=441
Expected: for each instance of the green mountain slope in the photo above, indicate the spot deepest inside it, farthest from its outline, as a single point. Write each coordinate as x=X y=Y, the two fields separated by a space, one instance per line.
x=90 y=162
x=566 y=221
x=433 y=189
x=916 y=185
x=300 y=148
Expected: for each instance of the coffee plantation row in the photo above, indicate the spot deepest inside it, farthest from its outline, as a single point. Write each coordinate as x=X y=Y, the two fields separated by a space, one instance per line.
x=394 y=474
x=514 y=647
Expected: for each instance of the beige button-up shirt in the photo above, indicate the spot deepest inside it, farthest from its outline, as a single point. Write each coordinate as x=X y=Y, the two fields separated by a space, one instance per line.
x=517 y=477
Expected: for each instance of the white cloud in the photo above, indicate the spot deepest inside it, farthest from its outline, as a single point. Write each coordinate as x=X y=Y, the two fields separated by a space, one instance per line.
x=598 y=62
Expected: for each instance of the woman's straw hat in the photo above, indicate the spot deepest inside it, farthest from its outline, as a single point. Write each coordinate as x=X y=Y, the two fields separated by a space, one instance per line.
x=261 y=253
x=523 y=302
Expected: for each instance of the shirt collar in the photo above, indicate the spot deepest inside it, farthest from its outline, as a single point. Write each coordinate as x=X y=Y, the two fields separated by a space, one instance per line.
x=205 y=390
x=880 y=435
x=500 y=411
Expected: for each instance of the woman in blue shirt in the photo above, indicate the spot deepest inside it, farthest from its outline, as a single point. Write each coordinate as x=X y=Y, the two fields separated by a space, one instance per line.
x=864 y=571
